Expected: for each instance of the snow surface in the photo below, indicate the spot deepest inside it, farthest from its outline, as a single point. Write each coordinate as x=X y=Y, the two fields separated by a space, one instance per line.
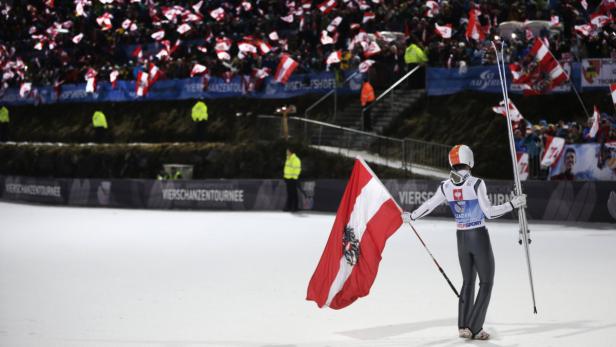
x=108 y=277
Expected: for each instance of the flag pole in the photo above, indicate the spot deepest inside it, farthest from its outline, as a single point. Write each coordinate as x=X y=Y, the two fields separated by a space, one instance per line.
x=518 y=185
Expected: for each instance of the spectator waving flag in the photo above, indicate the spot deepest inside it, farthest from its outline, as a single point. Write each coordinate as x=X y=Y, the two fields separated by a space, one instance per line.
x=613 y=93
x=544 y=74
x=285 y=69
x=198 y=69
x=113 y=78
x=522 y=158
x=367 y=216
x=473 y=28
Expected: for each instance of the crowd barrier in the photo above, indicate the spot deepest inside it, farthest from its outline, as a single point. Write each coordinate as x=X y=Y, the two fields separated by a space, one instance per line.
x=189 y=88
x=590 y=201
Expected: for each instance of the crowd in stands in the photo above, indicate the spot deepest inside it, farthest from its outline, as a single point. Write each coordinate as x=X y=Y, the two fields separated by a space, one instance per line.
x=59 y=41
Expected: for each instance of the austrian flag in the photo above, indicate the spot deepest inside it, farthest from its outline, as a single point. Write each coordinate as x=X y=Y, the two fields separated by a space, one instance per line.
x=366 y=218
x=285 y=69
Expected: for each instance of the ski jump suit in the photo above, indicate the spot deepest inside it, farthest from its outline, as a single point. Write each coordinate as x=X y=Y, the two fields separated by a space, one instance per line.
x=469 y=204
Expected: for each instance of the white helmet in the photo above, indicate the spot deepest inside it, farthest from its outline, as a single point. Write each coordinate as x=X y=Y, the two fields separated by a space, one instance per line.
x=461 y=154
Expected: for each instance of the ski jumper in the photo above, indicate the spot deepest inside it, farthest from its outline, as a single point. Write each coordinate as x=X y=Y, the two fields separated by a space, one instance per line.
x=470 y=206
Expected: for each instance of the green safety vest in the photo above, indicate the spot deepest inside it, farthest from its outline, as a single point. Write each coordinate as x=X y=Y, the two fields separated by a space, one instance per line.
x=414 y=55
x=99 y=120
x=292 y=167
x=4 y=115
x=199 y=112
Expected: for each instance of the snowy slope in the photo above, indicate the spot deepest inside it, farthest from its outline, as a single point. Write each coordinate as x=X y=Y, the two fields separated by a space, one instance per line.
x=105 y=277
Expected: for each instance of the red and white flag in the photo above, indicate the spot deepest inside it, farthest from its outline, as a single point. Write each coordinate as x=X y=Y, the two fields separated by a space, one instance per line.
x=218 y=14
x=104 y=21
x=246 y=47
x=365 y=65
x=91 y=80
x=223 y=55
x=368 y=16
x=264 y=47
x=583 y=30
x=433 y=8
x=113 y=78
x=25 y=89
x=553 y=149
x=367 y=216
x=371 y=49
x=288 y=18
x=223 y=44
x=613 y=92
x=184 y=28
x=596 y=121
x=77 y=38
x=142 y=83
x=154 y=72
x=522 y=165
x=198 y=69
x=285 y=69
x=326 y=39
x=327 y=6
x=600 y=20
x=137 y=52
x=515 y=115
x=443 y=31
x=545 y=75
x=333 y=58
x=159 y=35
x=554 y=20
x=473 y=29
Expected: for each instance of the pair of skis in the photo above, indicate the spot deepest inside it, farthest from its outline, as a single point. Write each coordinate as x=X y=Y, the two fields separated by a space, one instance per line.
x=524 y=238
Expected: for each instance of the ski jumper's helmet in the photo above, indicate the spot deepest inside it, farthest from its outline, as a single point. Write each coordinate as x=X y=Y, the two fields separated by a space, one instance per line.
x=461 y=154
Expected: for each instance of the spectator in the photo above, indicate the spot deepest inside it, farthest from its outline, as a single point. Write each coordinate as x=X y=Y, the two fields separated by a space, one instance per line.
x=99 y=122
x=4 y=124
x=292 y=170
x=367 y=98
x=199 y=116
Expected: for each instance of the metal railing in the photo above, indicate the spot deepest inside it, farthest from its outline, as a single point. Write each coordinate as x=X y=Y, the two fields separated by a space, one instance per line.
x=390 y=151
x=334 y=91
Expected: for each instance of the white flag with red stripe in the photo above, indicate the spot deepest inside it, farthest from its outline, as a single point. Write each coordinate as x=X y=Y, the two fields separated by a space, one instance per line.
x=443 y=31
x=596 y=121
x=522 y=165
x=285 y=69
x=333 y=58
x=543 y=76
x=142 y=83
x=613 y=92
x=25 y=89
x=91 y=80
x=515 y=115
x=367 y=216
x=327 y=6
x=113 y=78
x=365 y=65
x=553 y=149
x=198 y=69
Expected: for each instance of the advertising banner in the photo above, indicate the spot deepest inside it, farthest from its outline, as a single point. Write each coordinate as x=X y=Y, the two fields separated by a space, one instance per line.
x=190 y=88
x=586 y=162
x=598 y=72
x=483 y=79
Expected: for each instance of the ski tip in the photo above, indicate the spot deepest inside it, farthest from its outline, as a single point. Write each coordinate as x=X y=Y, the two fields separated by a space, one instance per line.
x=535 y=309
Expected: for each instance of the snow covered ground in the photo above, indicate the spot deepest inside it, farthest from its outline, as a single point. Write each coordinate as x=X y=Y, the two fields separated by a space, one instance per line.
x=106 y=277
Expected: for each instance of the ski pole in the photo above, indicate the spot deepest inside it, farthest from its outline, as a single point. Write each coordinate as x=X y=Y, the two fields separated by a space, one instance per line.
x=436 y=262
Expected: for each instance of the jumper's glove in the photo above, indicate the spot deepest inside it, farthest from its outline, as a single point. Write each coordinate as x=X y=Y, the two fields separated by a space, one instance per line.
x=406 y=217
x=518 y=201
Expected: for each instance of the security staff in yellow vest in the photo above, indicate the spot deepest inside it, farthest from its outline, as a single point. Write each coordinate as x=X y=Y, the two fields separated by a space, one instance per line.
x=292 y=170
x=99 y=122
x=414 y=55
x=4 y=124
x=199 y=116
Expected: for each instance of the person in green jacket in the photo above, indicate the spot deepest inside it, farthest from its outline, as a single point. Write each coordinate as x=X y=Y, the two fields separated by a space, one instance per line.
x=292 y=170
x=415 y=55
x=4 y=124
x=99 y=122
x=199 y=116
